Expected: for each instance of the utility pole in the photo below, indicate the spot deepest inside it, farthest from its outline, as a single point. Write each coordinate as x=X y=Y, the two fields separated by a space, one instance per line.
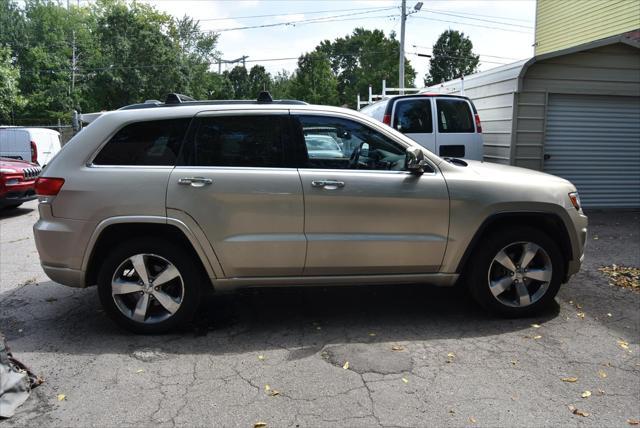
x=403 y=19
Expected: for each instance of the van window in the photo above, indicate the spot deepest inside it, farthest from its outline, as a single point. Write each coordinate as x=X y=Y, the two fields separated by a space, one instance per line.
x=413 y=116
x=145 y=143
x=454 y=116
x=241 y=141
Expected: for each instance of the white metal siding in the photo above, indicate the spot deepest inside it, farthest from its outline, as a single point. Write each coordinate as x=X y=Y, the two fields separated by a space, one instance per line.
x=594 y=141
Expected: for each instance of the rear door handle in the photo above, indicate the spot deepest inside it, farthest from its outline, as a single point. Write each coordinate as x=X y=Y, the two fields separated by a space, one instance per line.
x=195 y=181
x=327 y=184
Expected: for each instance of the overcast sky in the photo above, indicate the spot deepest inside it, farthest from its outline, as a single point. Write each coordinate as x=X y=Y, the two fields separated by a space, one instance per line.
x=480 y=20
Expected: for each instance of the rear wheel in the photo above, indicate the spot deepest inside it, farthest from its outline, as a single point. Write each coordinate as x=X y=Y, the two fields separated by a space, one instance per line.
x=149 y=285
x=516 y=272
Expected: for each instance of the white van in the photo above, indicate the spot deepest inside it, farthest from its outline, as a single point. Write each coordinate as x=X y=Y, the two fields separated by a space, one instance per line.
x=37 y=145
x=447 y=125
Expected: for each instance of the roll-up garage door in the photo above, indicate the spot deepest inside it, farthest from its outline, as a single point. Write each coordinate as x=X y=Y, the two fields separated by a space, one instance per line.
x=594 y=141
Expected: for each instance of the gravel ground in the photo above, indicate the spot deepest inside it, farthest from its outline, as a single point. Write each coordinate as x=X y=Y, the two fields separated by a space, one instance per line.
x=417 y=356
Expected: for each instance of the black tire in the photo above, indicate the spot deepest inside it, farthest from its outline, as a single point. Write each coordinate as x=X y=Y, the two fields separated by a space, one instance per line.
x=193 y=281
x=13 y=207
x=477 y=274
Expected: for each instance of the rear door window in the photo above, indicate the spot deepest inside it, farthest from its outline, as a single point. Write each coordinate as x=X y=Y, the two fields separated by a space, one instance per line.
x=454 y=116
x=145 y=143
x=241 y=141
x=413 y=116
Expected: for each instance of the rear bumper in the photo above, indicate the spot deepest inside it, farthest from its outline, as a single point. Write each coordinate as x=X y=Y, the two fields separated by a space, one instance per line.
x=65 y=276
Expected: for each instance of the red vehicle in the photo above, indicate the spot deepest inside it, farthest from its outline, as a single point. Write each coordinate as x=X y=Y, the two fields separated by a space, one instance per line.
x=17 y=180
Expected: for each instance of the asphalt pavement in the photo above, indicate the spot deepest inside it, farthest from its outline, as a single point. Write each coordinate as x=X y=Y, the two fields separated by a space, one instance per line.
x=359 y=356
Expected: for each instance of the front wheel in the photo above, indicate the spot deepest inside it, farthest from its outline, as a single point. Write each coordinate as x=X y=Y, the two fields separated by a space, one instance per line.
x=149 y=285
x=516 y=272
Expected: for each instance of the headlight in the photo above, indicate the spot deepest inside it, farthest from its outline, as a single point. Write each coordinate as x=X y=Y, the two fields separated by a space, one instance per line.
x=575 y=200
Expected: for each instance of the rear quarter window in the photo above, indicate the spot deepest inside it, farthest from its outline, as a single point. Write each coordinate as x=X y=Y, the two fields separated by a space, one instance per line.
x=454 y=116
x=413 y=116
x=145 y=143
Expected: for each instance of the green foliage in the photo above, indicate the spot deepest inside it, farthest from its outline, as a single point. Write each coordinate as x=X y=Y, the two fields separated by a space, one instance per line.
x=362 y=58
x=314 y=81
x=10 y=98
x=259 y=80
x=452 y=57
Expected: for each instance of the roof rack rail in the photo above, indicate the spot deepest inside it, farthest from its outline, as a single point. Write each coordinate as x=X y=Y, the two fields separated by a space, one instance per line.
x=177 y=100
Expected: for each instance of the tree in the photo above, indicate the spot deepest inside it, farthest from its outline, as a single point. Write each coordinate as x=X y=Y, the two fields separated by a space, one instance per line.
x=314 y=81
x=239 y=79
x=362 y=58
x=10 y=98
x=452 y=58
x=259 y=80
x=281 y=85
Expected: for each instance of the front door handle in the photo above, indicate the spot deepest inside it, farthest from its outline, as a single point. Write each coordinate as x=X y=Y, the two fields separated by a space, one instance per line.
x=327 y=184
x=195 y=181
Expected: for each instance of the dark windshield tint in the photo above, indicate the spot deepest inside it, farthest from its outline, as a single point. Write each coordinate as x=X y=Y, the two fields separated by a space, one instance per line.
x=454 y=115
x=249 y=141
x=413 y=116
x=145 y=143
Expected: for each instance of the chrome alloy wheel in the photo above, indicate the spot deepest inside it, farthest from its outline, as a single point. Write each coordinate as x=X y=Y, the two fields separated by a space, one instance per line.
x=147 y=288
x=520 y=274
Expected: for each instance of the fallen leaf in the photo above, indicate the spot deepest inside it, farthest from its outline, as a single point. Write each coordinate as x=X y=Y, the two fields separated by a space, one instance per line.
x=595 y=238
x=318 y=328
x=586 y=394
x=633 y=421
x=472 y=420
x=514 y=362
x=609 y=314
x=580 y=315
x=579 y=306
x=601 y=392
x=578 y=412
x=536 y=337
x=267 y=388
x=452 y=411
x=260 y=425
x=62 y=397
x=274 y=392
x=602 y=374
x=536 y=325
x=405 y=380
x=623 y=344
x=372 y=334
x=50 y=299
x=139 y=370
x=346 y=365
x=397 y=348
x=570 y=379
x=261 y=357
x=450 y=357
x=622 y=276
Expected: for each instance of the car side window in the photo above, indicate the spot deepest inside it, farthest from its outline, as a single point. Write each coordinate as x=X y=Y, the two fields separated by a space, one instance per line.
x=240 y=141
x=145 y=143
x=337 y=143
x=454 y=116
x=413 y=116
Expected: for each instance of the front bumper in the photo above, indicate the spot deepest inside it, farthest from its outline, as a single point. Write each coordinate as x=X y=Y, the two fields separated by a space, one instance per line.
x=17 y=196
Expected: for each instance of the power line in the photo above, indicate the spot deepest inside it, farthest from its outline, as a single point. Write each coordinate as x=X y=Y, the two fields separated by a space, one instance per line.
x=294 y=13
x=302 y=22
x=488 y=16
x=490 y=56
x=472 y=25
x=479 y=19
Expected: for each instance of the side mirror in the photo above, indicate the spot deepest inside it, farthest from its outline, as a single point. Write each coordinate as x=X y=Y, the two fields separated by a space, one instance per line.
x=414 y=160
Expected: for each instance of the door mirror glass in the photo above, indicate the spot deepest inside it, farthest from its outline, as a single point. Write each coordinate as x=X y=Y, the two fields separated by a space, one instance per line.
x=414 y=160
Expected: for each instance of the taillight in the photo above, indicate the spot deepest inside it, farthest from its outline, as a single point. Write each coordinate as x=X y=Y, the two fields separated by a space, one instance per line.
x=478 y=124
x=46 y=186
x=386 y=119
x=34 y=152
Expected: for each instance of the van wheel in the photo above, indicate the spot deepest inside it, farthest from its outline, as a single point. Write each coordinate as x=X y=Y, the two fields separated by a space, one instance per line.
x=149 y=285
x=516 y=272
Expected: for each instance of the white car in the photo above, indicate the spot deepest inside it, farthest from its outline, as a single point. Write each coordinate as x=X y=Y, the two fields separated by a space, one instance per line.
x=447 y=125
x=37 y=145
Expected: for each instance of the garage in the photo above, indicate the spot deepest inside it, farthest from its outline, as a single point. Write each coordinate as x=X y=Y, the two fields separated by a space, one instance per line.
x=594 y=141
x=574 y=113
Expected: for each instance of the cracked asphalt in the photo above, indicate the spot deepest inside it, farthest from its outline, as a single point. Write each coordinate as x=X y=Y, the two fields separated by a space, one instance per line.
x=417 y=356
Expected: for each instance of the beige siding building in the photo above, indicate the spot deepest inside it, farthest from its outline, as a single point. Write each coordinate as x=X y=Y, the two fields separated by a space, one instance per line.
x=573 y=110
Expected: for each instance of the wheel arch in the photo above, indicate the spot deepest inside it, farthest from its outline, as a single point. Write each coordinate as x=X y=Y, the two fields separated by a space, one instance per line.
x=117 y=229
x=550 y=223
